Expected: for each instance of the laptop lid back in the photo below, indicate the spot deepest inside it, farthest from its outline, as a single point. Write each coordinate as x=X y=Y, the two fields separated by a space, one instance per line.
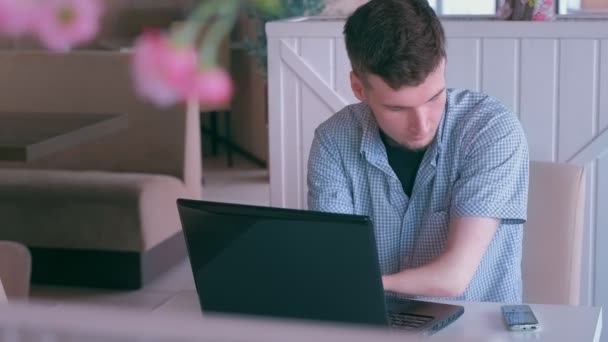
x=283 y=262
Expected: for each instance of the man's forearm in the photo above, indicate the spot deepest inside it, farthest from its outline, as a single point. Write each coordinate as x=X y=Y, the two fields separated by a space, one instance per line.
x=449 y=274
x=436 y=279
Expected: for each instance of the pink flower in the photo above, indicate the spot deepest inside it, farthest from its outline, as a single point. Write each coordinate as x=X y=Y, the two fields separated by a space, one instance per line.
x=163 y=73
x=166 y=74
x=539 y=17
x=62 y=24
x=17 y=16
x=214 y=88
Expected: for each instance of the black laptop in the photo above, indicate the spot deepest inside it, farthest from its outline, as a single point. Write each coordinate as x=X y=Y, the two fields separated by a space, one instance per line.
x=295 y=264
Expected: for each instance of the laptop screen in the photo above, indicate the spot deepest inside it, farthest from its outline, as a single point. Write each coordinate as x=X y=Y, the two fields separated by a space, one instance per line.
x=283 y=262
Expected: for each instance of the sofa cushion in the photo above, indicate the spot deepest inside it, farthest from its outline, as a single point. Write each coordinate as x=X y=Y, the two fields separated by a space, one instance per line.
x=88 y=209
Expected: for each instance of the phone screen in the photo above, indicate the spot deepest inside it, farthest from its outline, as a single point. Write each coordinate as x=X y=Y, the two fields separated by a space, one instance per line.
x=520 y=317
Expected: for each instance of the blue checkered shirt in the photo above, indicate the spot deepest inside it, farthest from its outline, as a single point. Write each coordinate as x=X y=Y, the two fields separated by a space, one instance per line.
x=477 y=165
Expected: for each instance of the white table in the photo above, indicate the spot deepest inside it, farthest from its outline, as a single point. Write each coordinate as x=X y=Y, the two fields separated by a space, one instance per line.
x=179 y=319
x=480 y=322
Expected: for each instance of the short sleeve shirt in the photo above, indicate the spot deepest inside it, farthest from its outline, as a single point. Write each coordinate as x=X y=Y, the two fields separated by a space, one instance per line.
x=477 y=165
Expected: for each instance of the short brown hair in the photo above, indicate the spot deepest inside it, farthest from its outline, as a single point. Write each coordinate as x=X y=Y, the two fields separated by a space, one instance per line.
x=402 y=41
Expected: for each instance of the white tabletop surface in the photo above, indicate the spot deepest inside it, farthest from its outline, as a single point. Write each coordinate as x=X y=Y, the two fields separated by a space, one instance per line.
x=480 y=322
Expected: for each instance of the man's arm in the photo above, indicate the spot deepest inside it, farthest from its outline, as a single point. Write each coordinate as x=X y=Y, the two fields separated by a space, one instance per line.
x=449 y=274
x=328 y=187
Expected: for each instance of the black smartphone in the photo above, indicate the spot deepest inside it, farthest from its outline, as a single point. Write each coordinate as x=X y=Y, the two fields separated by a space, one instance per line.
x=520 y=318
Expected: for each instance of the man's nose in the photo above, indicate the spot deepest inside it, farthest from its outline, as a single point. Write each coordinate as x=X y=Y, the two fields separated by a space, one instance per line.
x=420 y=124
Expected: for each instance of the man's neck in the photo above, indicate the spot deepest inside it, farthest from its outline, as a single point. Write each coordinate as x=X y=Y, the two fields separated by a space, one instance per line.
x=387 y=140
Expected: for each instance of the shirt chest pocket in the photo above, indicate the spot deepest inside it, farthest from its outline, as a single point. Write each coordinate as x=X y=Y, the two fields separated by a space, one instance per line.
x=432 y=237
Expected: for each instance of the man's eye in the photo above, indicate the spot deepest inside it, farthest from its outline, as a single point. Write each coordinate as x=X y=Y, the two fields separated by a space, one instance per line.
x=436 y=97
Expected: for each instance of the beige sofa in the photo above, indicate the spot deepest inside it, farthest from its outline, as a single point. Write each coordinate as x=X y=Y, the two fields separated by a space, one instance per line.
x=100 y=214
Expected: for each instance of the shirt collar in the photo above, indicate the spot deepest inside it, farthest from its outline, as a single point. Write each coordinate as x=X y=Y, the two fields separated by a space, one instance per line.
x=371 y=143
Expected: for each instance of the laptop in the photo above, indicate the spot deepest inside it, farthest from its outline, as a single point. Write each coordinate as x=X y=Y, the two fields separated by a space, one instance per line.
x=296 y=264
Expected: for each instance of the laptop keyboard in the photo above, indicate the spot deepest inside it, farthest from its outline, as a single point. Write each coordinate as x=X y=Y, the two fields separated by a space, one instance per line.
x=407 y=321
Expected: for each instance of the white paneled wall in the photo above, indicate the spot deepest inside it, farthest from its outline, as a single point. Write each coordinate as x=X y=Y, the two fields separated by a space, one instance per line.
x=603 y=110
x=500 y=73
x=538 y=96
x=553 y=75
x=466 y=54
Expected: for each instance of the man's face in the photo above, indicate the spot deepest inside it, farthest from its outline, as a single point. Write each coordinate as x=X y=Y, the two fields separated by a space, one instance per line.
x=409 y=115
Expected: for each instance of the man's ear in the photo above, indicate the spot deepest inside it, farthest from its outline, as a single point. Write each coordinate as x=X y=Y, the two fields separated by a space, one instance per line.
x=357 y=86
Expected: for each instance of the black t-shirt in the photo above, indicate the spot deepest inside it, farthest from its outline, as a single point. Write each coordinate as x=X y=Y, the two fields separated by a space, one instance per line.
x=404 y=162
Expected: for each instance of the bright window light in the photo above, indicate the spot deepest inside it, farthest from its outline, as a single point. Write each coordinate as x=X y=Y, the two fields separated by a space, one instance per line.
x=467 y=7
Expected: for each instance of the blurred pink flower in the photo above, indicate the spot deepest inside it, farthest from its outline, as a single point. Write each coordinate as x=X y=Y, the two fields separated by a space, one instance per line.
x=213 y=88
x=17 y=16
x=166 y=74
x=163 y=73
x=539 y=17
x=62 y=24
x=544 y=11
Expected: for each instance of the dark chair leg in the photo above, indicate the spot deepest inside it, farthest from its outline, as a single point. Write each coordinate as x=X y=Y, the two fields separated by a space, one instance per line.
x=228 y=137
x=214 y=133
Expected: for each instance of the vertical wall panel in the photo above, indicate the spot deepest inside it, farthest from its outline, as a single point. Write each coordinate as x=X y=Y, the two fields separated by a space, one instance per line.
x=463 y=68
x=538 y=112
x=319 y=55
x=603 y=90
x=601 y=235
x=577 y=81
x=292 y=109
x=342 y=72
x=276 y=126
x=588 y=255
x=500 y=70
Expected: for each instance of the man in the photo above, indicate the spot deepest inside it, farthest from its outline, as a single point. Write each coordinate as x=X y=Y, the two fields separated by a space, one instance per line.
x=443 y=174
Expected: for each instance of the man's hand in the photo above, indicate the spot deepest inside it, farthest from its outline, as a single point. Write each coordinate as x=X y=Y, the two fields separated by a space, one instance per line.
x=450 y=273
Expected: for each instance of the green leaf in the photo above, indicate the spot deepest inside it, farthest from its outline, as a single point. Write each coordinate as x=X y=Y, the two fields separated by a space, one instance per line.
x=271 y=7
x=257 y=47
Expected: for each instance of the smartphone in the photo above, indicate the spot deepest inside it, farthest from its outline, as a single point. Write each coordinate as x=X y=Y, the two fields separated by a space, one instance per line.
x=519 y=318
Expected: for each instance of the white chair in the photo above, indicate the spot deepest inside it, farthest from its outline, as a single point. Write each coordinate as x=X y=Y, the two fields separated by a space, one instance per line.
x=3 y=298
x=15 y=271
x=553 y=235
